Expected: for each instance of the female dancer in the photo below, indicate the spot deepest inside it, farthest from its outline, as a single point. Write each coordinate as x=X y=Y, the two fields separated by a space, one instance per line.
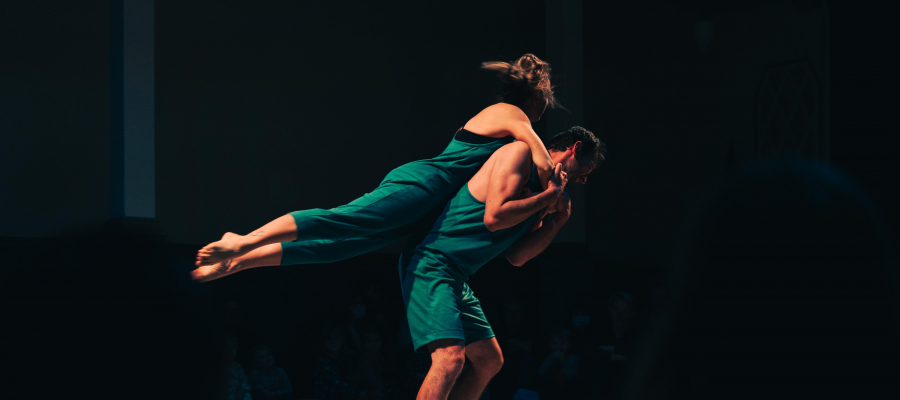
x=406 y=195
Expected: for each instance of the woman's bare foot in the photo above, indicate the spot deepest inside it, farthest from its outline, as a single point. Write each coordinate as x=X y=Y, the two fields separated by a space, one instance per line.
x=207 y=273
x=266 y=255
x=232 y=245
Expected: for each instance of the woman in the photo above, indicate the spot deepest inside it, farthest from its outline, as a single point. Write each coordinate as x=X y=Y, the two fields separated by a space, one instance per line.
x=406 y=195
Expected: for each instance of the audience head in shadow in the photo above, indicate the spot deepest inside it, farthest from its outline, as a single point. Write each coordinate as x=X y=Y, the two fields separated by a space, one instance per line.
x=333 y=375
x=583 y=328
x=560 y=343
x=559 y=371
x=268 y=381
x=261 y=358
x=786 y=289
x=237 y=383
x=622 y=309
x=332 y=339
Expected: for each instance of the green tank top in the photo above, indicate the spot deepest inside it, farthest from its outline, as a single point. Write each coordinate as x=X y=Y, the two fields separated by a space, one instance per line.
x=458 y=242
x=443 y=175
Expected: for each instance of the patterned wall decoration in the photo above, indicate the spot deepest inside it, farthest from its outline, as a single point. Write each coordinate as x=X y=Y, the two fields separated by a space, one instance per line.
x=789 y=112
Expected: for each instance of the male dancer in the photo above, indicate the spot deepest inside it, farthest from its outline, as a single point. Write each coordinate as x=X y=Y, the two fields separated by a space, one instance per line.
x=498 y=211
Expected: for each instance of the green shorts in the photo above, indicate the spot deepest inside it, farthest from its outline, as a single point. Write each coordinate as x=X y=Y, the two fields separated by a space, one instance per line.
x=440 y=307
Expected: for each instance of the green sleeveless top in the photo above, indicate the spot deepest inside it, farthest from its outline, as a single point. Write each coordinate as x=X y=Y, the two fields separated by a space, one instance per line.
x=458 y=242
x=445 y=174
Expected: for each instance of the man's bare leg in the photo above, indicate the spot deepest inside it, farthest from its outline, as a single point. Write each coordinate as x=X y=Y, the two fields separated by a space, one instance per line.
x=282 y=229
x=485 y=360
x=264 y=256
x=447 y=359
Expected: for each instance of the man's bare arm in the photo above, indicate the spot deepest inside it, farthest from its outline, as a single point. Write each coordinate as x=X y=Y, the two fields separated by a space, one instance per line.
x=533 y=243
x=503 y=208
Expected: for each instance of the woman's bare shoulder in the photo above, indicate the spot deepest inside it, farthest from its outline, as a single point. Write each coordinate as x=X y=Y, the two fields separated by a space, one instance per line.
x=504 y=108
x=496 y=119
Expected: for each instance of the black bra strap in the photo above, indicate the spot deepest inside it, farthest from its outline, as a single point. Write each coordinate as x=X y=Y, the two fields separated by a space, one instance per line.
x=468 y=137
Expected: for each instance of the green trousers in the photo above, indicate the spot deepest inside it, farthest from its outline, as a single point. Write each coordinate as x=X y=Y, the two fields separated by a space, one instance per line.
x=368 y=223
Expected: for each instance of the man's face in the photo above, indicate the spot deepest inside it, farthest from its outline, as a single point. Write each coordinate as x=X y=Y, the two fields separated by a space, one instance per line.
x=577 y=169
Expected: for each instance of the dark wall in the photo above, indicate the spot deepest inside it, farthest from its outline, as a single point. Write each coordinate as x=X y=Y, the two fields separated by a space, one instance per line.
x=261 y=110
x=54 y=118
x=864 y=105
x=267 y=109
x=678 y=118
x=251 y=100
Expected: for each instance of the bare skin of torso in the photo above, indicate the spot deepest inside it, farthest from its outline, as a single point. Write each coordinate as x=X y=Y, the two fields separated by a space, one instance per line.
x=478 y=185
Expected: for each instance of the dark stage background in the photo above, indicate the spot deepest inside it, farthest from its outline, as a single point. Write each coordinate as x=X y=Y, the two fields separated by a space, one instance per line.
x=262 y=109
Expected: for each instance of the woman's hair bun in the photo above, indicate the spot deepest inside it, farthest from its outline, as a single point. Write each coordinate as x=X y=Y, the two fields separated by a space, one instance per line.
x=524 y=79
x=528 y=62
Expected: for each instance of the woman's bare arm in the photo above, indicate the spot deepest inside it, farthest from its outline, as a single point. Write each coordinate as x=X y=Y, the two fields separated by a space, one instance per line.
x=501 y=120
x=523 y=132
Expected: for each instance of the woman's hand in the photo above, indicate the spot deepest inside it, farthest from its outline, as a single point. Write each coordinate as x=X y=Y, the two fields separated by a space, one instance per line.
x=545 y=172
x=558 y=181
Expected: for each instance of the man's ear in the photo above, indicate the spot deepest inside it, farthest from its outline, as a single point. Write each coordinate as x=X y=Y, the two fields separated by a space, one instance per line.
x=576 y=148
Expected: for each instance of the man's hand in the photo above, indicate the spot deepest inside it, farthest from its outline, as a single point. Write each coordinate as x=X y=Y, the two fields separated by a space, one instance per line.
x=563 y=209
x=556 y=185
x=558 y=181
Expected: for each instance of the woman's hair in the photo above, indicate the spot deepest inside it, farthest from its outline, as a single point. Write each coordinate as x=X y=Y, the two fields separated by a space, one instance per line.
x=524 y=79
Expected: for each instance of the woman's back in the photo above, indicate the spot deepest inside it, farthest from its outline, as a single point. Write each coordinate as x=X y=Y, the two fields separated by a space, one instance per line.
x=497 y=120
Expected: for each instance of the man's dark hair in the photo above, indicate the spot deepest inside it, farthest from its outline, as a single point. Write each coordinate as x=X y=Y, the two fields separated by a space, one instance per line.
x=591 y=147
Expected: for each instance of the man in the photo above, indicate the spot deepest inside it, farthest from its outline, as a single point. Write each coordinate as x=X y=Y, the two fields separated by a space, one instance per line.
x=499 y=211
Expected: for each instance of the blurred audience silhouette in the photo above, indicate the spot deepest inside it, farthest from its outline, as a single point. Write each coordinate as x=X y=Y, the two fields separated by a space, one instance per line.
x=559 y=373
x=517 y=335
x=786 y=288
x=268 y=381
x=238 y=383
x=334 y=374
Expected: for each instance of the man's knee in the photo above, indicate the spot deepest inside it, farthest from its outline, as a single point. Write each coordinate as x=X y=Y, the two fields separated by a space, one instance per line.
x=491 y=364
x=486 y=356
x=448 y=355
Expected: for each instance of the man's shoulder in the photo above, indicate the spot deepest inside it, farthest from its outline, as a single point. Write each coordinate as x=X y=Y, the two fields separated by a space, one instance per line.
x=513 y=158
x=514 y=149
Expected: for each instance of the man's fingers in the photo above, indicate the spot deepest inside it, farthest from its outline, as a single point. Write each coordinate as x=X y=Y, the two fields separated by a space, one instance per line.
x=559 y=175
